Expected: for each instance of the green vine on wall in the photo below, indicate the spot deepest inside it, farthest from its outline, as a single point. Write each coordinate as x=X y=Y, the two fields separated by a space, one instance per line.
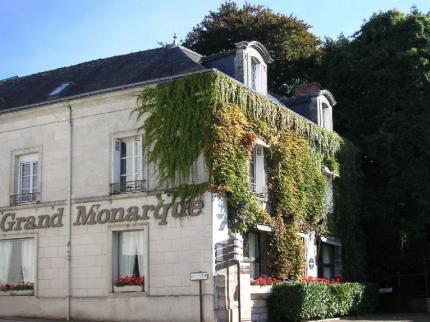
x=213 y=115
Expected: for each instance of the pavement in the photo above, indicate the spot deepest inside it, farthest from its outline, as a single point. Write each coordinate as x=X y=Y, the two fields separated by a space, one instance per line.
x=398 y=317
x=395 y=317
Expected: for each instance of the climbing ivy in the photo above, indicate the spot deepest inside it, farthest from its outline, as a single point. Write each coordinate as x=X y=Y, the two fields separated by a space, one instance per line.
x=214 y=115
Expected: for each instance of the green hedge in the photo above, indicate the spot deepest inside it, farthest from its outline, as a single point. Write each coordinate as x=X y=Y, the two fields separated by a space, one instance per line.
x=301 y=301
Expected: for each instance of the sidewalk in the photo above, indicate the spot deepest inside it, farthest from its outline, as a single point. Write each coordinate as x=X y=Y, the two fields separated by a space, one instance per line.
x=395 y=317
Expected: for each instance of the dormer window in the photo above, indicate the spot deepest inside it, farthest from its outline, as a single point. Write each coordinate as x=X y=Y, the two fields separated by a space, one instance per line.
x=256 y=74
x=257 y=170
x=325 y=115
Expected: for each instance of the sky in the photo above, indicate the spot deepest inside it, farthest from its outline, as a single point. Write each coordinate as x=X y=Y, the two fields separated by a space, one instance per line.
x=39 y=35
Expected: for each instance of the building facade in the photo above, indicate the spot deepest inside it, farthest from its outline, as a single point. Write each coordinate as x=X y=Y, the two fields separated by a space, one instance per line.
x=81 y=206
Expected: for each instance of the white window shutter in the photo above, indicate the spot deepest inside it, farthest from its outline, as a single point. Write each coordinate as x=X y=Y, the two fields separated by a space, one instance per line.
x=260 y=171
x=116 y=161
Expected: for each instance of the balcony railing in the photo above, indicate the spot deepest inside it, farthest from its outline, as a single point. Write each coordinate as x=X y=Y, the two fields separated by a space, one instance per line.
x=260 y=193
x=24 y=198
x=329 y=208
x=129 y=186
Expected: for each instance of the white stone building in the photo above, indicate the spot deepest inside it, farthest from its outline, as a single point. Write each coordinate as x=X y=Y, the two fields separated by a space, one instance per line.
x=79 y=206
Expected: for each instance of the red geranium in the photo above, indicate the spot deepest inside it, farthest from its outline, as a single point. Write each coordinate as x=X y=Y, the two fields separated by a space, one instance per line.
x=130 y=280
x=269 y=280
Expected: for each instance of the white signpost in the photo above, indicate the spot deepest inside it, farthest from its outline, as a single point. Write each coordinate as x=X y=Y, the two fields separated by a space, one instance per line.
x=200 y=276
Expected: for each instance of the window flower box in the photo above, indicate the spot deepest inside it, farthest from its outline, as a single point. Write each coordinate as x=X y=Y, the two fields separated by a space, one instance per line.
x=128 y=288
x=21 y=292
x=20 y=289
x=129 y=284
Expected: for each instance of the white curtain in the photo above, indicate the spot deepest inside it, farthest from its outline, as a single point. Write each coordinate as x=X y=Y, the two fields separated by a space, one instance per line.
x=140 y=250
x=128 y=253
x=5 y=256
x=27 y=259
x=132 y=245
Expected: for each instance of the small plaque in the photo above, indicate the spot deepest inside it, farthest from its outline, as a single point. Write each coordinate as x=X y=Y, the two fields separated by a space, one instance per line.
x=198 y=276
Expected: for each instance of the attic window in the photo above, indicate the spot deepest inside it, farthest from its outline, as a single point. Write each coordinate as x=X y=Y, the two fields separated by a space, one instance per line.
x=59 y=89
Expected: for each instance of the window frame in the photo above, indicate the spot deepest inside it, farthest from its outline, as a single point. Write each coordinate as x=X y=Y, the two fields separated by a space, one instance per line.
x=256 y=74
x=137 y=185
x=256 y=178
x=111 y=257
x=35 y=239
x=15 y=175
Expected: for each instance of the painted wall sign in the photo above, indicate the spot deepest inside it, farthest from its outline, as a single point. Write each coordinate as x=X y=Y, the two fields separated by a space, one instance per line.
x=96 y=215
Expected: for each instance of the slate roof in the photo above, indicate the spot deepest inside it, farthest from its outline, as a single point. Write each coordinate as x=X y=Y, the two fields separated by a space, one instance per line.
x=98 y=75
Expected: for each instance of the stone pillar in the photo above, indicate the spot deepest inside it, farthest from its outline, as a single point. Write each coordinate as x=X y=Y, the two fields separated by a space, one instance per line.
x=245 y=292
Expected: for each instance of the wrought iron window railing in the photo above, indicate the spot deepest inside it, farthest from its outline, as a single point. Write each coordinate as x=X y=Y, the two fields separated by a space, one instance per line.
x=261 y=192
x=24 y=198
x=128 y=186
x=329 y=208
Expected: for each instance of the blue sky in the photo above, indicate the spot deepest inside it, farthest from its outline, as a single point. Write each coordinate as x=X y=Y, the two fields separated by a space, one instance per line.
x=38 y=35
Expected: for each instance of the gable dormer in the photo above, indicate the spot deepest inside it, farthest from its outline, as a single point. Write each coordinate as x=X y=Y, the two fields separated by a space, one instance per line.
x=250 y=65
x=247 y=63
x=314 y=103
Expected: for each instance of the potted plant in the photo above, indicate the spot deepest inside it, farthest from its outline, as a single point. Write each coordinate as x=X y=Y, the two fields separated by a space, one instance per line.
x=129 y=284
x=22 y=289
x=4 y=290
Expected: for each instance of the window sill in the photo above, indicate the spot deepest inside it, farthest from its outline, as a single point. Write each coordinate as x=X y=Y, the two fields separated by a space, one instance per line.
x=17 y=293
x=128 y=289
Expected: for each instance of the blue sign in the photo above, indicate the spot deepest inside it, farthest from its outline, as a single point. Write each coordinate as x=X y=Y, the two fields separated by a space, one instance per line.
x=311 y=263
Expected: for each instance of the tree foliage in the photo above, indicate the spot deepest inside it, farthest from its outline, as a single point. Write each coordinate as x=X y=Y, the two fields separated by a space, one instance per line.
x=293 y=47
x=381 y=78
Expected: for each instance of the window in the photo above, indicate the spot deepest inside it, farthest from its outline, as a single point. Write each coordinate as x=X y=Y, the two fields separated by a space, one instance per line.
x=329 y=194
x=128 y=165
x=254 y=246
x=326 y=120
x=129 y=254
x=59 y=89
x=255 y=74
x=17 y=261
x=329 y=262
x=27 y=180
x=257 y=172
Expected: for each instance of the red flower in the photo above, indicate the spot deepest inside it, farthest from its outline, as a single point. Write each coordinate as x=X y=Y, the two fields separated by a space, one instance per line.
x=269 y=280
x=130 y=280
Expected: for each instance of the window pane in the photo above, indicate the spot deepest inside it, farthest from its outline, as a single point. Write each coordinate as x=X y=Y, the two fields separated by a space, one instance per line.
x=25 y=169
x=123 y=166
x=327 y=254
x=327 y=272
x=129 y=152
x=35 y=168
x=25 y=185
x=123 y=149
x=17 y=261
x=131 y=253
x=35 y=178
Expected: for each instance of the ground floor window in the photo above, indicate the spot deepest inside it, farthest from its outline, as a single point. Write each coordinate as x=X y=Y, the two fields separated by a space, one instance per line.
x=329 y=260
x=17 y=258
x=255 y=252
x=129 y=257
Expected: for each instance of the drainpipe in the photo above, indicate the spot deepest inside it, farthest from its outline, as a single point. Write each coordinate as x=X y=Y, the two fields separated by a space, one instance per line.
x=69 y=222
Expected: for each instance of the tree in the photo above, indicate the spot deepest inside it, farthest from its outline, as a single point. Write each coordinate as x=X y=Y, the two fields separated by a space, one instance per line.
x=293 y=47
x=381 y=79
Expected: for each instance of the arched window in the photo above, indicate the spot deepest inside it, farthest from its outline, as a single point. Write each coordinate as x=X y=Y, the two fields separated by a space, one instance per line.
x=255 y=74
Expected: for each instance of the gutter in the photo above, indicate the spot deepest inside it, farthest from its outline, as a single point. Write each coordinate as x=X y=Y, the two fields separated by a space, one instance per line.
x=69 y=221
x=106 y=90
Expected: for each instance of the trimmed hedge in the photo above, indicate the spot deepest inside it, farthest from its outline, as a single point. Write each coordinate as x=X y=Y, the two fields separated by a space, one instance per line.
x=301 y=301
